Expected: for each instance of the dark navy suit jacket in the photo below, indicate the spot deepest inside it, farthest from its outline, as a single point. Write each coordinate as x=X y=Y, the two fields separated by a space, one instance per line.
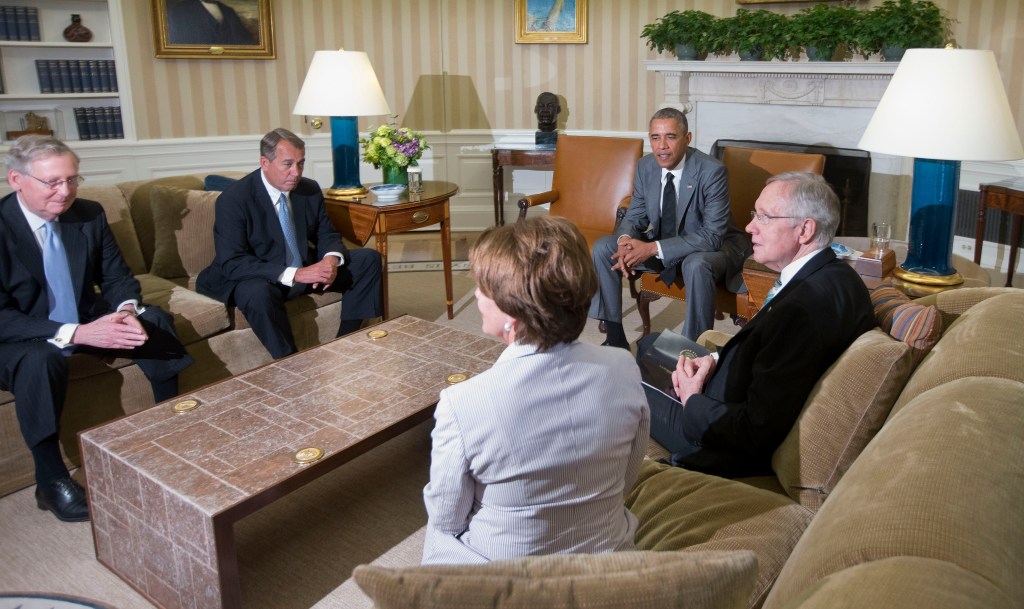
x=248 y=237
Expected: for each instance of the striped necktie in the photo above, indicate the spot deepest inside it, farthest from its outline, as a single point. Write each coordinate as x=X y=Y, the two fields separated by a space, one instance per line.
x=284 y=216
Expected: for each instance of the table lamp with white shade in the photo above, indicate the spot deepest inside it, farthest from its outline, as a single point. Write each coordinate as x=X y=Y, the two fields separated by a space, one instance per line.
x=942 y=106
x=342 y=84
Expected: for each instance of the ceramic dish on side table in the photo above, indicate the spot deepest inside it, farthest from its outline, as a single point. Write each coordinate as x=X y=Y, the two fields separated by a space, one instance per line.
x=387 y=193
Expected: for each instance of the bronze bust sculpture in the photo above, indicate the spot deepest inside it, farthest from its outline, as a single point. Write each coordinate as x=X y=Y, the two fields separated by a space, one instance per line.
x=547 y=110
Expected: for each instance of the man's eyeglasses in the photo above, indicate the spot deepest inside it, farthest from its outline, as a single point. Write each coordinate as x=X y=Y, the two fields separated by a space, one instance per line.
x=765 y=218
x=72 y=182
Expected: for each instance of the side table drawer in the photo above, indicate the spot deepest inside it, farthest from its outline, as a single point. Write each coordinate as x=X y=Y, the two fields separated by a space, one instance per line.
x=408 y=219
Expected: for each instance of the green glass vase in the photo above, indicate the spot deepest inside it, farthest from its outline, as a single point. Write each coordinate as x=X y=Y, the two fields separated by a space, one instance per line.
x=396 y=175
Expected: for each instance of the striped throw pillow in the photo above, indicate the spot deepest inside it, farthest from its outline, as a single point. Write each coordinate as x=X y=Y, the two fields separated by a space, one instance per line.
x=917 y=325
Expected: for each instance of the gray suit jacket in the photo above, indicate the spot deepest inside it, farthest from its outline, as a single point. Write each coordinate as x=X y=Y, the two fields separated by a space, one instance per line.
x=705 y=220
x=536 y=455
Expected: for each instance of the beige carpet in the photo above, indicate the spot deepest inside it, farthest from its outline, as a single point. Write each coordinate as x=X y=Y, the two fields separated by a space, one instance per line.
x=298 y=552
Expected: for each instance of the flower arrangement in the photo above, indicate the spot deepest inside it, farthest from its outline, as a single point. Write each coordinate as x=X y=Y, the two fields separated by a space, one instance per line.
x=389 y=147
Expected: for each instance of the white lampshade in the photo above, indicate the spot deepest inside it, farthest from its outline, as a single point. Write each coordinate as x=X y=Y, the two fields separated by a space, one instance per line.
x=341 y=83
x=946 y=104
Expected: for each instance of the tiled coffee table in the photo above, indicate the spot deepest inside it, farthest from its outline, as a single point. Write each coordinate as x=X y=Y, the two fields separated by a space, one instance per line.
x=166 y=487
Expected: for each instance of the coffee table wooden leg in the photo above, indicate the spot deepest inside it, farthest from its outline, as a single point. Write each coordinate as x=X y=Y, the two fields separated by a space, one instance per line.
x=227 y=565
x=446 y=255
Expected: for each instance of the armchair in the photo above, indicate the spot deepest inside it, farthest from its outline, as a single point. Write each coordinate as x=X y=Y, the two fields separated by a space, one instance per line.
x=593 y=178
x=749 y=169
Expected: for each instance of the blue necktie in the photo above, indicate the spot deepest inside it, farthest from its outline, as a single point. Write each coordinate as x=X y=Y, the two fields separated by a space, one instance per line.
x=59 y=290
x=772 y=292
x=284 y=216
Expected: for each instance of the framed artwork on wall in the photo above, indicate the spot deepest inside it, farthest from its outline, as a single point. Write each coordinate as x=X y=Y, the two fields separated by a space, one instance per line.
x=551 y=21
x=222 y=29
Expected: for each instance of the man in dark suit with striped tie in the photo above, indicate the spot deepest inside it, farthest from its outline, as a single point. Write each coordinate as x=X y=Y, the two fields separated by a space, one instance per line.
x=678 y=223
x=274 y=243
x=734 y=411
x=55 y=250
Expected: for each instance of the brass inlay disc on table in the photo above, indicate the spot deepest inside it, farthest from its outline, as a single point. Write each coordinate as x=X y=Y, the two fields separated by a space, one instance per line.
x=186 y=405
x=376 y=334
x=308 y=455
x=458 y=377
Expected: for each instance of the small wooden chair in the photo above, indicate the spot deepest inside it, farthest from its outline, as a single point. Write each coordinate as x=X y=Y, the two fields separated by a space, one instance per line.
x=749 y=169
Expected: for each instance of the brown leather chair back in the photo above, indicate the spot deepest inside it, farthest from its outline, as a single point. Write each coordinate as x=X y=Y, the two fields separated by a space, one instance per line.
x=592 y=176
x=750 y=168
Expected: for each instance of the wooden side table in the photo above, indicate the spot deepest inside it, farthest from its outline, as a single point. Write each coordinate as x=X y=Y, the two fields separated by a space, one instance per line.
x=514 y=157
x=1008 y=196
x=359 y=219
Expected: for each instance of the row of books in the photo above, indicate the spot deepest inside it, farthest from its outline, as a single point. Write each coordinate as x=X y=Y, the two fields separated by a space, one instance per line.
x=99 y=123
x=76 y=75
x=19 y=23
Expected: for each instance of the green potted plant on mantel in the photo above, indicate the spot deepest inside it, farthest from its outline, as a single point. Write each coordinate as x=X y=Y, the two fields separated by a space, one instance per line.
x=755 y=35
x=823 y=28
x=897 y=25
x=684 y=32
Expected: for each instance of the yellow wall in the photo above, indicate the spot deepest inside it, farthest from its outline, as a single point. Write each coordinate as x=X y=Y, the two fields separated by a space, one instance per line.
x=461 y=54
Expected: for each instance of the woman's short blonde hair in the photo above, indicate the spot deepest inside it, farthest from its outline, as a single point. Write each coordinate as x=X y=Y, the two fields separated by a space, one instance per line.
x=539 y=271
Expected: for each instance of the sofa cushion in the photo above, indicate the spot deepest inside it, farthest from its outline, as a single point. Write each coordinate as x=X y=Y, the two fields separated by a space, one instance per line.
x=183 y=221
x=920 y=326
x=903 y=581
x=943 y=479
x=984 y=341
x=218 y=182
x=843 y=412
x=679 y=509
x=195 y=316
x=138 y=194
x=620 y=580
x=119 y=216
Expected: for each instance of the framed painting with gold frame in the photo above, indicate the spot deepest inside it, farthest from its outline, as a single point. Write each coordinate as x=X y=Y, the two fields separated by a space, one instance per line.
x=771 y=1
x=225 y=29
x=551 y=21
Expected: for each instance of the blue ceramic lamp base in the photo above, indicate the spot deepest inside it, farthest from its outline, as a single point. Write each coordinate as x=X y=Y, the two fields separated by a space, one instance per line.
x=932 y=210
x=345 y=153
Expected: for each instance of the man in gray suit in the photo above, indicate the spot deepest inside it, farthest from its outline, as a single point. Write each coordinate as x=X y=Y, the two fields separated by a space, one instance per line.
x=678 y=224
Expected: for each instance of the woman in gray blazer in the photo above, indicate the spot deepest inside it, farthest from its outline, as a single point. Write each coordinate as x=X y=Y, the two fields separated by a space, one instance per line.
x=535 y=455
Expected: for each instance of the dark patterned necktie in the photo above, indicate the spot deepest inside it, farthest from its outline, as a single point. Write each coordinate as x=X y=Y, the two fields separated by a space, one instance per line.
x=669 y=225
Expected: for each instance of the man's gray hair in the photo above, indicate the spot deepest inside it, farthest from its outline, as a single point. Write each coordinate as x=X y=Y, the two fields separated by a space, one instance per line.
x=29 y=148
x=268 y=145
x=810 y=196
x=671 y=113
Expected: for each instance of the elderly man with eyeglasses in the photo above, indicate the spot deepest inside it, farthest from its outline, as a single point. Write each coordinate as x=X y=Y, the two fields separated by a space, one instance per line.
x=736 y=407
x=55 y=250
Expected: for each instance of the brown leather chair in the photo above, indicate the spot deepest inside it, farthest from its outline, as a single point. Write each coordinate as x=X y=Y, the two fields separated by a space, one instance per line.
x=593 y=177
x=749 y=169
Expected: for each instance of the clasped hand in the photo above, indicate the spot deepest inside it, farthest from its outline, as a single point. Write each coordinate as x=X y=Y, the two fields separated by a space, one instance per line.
x=320 y=275
x=690 y=375
x=632 y=252
x=118 y=330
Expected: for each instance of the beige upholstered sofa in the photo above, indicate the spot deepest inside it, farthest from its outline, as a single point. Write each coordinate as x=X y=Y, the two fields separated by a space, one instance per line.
x=900 y=486
x=164 y=228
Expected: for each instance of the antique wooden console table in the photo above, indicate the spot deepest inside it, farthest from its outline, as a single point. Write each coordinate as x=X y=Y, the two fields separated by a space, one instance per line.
x=527 y=156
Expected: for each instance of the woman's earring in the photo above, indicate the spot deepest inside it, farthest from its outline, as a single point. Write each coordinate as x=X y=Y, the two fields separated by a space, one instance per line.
x=507 y=327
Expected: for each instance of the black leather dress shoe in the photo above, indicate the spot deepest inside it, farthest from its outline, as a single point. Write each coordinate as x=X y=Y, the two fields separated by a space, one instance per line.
x=609 y=343
x=65 y=498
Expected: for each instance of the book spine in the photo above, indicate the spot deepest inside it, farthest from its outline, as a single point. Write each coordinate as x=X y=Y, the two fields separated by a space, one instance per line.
x=93 y=68
x=43 y=72
x=118 y=124
x=64 y=76
x=80 y=123
x=21 y=19
x=90 y=123
x=107 y=124
x=76 y=76
x=33 y=23
x=113 y=75
x=83 y=69
x=4 y=33
x=101 y=66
